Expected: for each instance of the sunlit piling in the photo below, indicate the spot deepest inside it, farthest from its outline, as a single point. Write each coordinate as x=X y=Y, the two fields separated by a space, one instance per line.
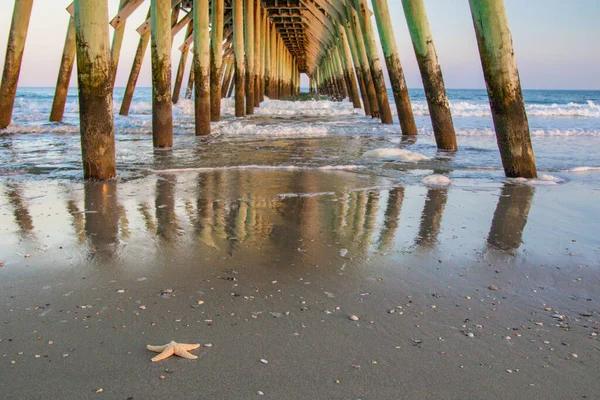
x=64 y=74
x=138 y=59
x=95 y=89
x=14 y=57
x=375 y=64
x=201 y=66
x=504 y=87
x=431 y=74
x=394 y=67
x=162 y=108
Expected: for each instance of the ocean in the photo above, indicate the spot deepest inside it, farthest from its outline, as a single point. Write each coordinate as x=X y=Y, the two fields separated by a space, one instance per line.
x=565 y=130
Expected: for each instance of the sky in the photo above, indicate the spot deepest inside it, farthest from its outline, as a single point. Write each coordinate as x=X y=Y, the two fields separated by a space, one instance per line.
x=557 y=43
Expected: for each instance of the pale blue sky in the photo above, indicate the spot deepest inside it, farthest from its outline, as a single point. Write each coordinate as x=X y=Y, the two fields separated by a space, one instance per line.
x=557 y=42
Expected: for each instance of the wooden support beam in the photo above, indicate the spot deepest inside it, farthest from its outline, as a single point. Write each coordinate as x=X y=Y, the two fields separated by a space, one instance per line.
x=14 y=58
x=147 y=25
x=64 y=74
x=160 y=45
x=431 y=74
x=179 y=25
x=504 y=87
x=124 y=13
x=95 y=89
x=202 y=66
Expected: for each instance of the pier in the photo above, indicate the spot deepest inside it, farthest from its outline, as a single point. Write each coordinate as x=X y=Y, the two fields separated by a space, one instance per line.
x=257 y=49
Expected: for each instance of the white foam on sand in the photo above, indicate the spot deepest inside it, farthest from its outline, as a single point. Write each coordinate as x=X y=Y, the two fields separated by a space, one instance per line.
x=399 y=154
x=582 y=169
x=542 y=180
x=436 y=180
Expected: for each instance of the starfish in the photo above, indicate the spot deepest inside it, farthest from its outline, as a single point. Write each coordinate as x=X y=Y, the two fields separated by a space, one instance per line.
x=179 y=349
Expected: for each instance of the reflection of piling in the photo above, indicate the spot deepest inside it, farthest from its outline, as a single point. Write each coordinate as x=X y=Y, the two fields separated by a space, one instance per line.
x=431 y=73
x=101 y=213
x=201 y=66
x=14 y=57
x=166 y=217
x=64 y=75
x=504 y=87
x=20 y=210
x=510 y=216
x=392 y=216
x=431 y=219
x=162 y=108
x=95 y=89
x=394 y=67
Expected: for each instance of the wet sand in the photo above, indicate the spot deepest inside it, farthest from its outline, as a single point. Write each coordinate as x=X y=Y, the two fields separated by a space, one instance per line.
x=494 y=287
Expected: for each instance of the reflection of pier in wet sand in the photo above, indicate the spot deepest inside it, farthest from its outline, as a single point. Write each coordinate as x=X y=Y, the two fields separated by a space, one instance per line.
x=273 y=270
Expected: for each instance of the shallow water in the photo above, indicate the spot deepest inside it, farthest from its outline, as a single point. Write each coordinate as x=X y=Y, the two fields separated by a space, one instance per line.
x=565 y=132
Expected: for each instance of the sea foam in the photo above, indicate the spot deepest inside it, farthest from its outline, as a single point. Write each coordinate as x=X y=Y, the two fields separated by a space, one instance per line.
x=399 y=154
x=436 y=180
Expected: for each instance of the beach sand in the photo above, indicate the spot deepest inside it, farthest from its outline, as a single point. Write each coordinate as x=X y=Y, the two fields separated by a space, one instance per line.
x=479 y=291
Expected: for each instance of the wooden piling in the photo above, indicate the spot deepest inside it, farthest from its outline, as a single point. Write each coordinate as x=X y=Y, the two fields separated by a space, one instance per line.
x=348 y=71
x=249 y=42
x=182 y=63
x=202 y=66
x=64 y=74
x=394 y=67
x=216 y=58
x=375 y=64
x=115 y=49
x=162 y=108
x=14 y=57
x=364 y=62
x=95 y=89
x=190 y=85
x=504 y=87
x=239 y=54
x=357 y=68
x=135 y=71
x=431 y=74
x=181 y=68
x=257 y=52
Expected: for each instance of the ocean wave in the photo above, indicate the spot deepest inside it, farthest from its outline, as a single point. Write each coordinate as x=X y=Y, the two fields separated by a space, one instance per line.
x=468 y=109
